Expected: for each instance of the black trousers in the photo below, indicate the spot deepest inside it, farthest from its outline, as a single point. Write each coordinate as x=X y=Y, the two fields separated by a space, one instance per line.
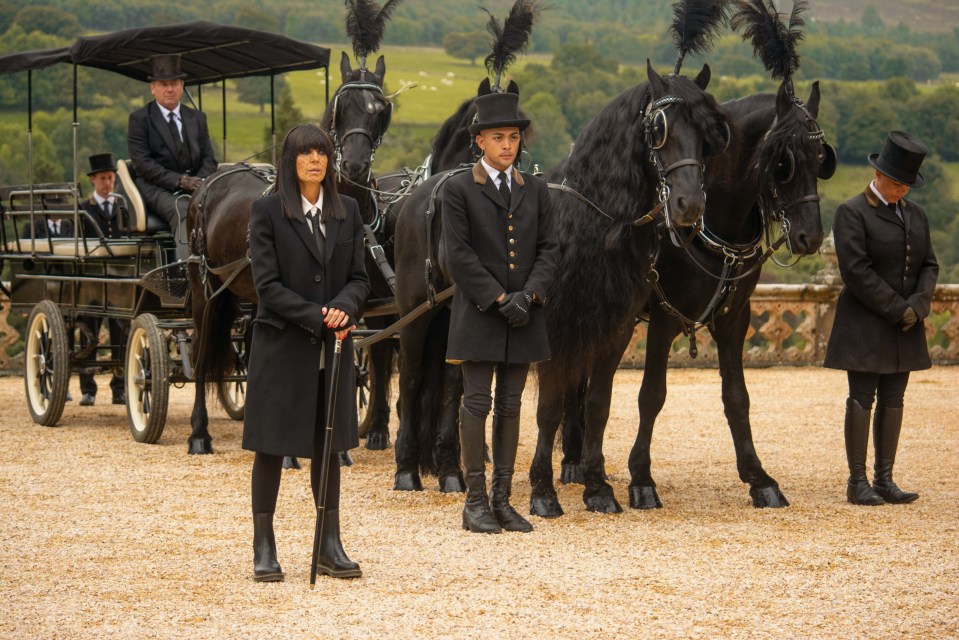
x=88 y=384
x=478 y=382
x=891 y=387
x=172 y=207
x=268 y=469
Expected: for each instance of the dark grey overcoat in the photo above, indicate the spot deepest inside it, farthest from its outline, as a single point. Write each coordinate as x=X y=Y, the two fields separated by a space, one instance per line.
x=886 y=264
x=294 y=282
x=489 y=251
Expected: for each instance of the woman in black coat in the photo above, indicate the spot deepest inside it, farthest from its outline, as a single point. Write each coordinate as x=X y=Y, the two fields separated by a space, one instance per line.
x=500 y=249
x=889 y=273
x=306 y=247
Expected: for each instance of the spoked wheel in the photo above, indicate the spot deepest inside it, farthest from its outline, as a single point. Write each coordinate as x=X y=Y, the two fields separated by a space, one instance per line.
x=232 y=393
x=46 y=370
x=364 y=391
x=147 y=379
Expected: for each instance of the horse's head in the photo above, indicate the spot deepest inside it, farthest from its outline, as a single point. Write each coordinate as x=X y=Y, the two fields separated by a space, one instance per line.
x=794 y=155
x=683 y=126
x=357 y=118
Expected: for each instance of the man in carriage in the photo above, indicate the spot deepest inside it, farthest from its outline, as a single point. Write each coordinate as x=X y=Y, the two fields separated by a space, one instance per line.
x=170 y=148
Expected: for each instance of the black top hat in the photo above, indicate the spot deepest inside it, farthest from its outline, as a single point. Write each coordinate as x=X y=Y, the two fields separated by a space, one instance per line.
x=901 y=158
x=166 y=66
x=497 y=111
x=102 y=162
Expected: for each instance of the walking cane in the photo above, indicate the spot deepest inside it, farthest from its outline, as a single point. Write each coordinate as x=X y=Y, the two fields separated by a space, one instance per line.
x=325 y=461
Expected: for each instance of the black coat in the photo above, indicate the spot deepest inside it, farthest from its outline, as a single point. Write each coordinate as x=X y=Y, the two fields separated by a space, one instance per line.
x=489 y=251
x=886 y=264
x=41 y=230
x=154 y=151
x=294 y=283
x=110 y=227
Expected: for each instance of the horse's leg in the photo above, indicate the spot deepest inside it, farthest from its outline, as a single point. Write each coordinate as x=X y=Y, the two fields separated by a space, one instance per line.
x=730 y=336
x=598 y=494
x=574 y=423
x=549 y=412
x=381 y=370
x=200 y=441
x=412 y=341
x=446 y=451
x=652 y=397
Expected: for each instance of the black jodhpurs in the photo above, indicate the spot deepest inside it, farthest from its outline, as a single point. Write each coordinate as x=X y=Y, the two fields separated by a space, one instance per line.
x=477 y=385
x=863 y=386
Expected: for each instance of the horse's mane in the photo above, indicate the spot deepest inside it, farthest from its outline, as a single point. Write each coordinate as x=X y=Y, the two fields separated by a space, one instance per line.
x=453 y=131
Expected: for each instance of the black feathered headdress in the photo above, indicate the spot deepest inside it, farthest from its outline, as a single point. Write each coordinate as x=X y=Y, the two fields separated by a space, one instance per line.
x=365 y=24
x=511 y=37
x=696 y=25
x=774 y=41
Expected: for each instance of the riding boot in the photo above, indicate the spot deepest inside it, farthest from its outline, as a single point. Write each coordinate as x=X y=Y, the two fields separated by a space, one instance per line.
x=886 y=427
x=858 y=490
x=265 y=566
x=505 y=442
x=477 y=516
x=333 y=560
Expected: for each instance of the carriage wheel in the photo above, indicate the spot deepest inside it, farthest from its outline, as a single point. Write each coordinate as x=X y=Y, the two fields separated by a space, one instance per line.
x=46 y=371
x=232 y=394
x=364 y=391
x=147 y=379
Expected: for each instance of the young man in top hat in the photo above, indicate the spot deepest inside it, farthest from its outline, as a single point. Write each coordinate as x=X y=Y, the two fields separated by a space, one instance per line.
x=105 y=215
x=889 y=273
x=501 y=251
x=170 y=147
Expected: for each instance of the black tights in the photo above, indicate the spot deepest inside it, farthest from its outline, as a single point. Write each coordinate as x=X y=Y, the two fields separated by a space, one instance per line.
x=267 y=470
x=863 y=386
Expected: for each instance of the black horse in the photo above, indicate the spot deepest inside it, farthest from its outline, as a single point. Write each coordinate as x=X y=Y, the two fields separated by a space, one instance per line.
x=768 y=184
x=219 y=216
x=647 y=148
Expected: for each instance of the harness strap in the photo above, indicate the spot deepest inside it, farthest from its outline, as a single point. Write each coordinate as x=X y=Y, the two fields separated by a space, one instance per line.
x=394 y=328
x=639 y=222
x=379 y=256
x=430 y=212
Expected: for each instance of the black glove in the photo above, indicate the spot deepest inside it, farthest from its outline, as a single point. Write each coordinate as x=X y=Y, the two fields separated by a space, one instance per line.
x=909 y=319
x=515 y=307
x=189 y=183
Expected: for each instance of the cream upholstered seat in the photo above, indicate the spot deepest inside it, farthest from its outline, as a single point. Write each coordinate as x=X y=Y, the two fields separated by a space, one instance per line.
x=135 y=207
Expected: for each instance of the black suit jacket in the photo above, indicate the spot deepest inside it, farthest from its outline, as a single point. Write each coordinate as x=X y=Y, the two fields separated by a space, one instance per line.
x=886 y=264
x=489 y=250
x=293 y=283
x=110 y=227
x=154 y=151
x=41 y=230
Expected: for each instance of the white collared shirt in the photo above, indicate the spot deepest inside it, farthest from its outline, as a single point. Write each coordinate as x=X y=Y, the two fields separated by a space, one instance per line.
x=100 y=200
x=176 y=112
x=872 y=185
x=309 y=206
x=495 y=173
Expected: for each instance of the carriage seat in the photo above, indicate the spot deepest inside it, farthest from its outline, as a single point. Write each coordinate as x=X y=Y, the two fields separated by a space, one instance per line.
x=141 y=220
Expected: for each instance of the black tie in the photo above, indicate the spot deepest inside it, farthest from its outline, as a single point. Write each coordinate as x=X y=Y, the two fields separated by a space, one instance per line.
x=106 y=209
x=504 y=188
x=317 y=232
x=181 y=148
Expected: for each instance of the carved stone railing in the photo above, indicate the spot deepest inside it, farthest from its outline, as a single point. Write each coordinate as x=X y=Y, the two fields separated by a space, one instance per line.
x=790 y=326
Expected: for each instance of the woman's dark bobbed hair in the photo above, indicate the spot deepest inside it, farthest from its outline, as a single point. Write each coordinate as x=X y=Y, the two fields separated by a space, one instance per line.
x=304 y=138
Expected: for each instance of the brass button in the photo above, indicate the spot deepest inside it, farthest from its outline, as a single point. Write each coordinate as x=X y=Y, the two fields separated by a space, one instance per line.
x=512 y=266
x=511 y=226
x=317 y=278
x=512 y=240
x=510 y=216
x=512 y=254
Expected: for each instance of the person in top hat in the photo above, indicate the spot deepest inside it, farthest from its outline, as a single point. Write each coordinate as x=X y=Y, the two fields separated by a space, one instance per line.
x=889 y=273
x=501 y=250
x=103 y=217
x=170 y=147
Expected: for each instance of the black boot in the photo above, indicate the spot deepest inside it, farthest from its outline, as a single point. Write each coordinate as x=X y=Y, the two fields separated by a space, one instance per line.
x=858 y=490
x=477 y=516
x=886 y=428
x=265 y=566
x=333 y=561
x=505 y=441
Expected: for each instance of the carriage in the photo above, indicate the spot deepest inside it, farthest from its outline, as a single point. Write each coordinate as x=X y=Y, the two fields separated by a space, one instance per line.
x=135 y=279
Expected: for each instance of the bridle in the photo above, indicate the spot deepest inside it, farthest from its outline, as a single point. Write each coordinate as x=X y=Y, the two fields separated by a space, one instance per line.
x=375 y=138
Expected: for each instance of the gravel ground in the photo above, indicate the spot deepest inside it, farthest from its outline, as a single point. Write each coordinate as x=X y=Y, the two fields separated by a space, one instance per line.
x=106 y=538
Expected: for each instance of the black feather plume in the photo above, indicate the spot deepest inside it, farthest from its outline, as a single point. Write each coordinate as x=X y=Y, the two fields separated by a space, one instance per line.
x=512 y=36
x=774 y=42
x=696 y=25
x=365 y=24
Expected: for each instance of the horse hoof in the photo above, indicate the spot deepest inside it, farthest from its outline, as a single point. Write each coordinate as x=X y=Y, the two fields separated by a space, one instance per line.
x=289 y=462
x=545 y=507
x=452 y=483
x=644 y=498
x=346 y=460
x=407 y=481
x=570 y=473
x=770 y=497
x=378 y=441
x=199 y=446
x=602 y=504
